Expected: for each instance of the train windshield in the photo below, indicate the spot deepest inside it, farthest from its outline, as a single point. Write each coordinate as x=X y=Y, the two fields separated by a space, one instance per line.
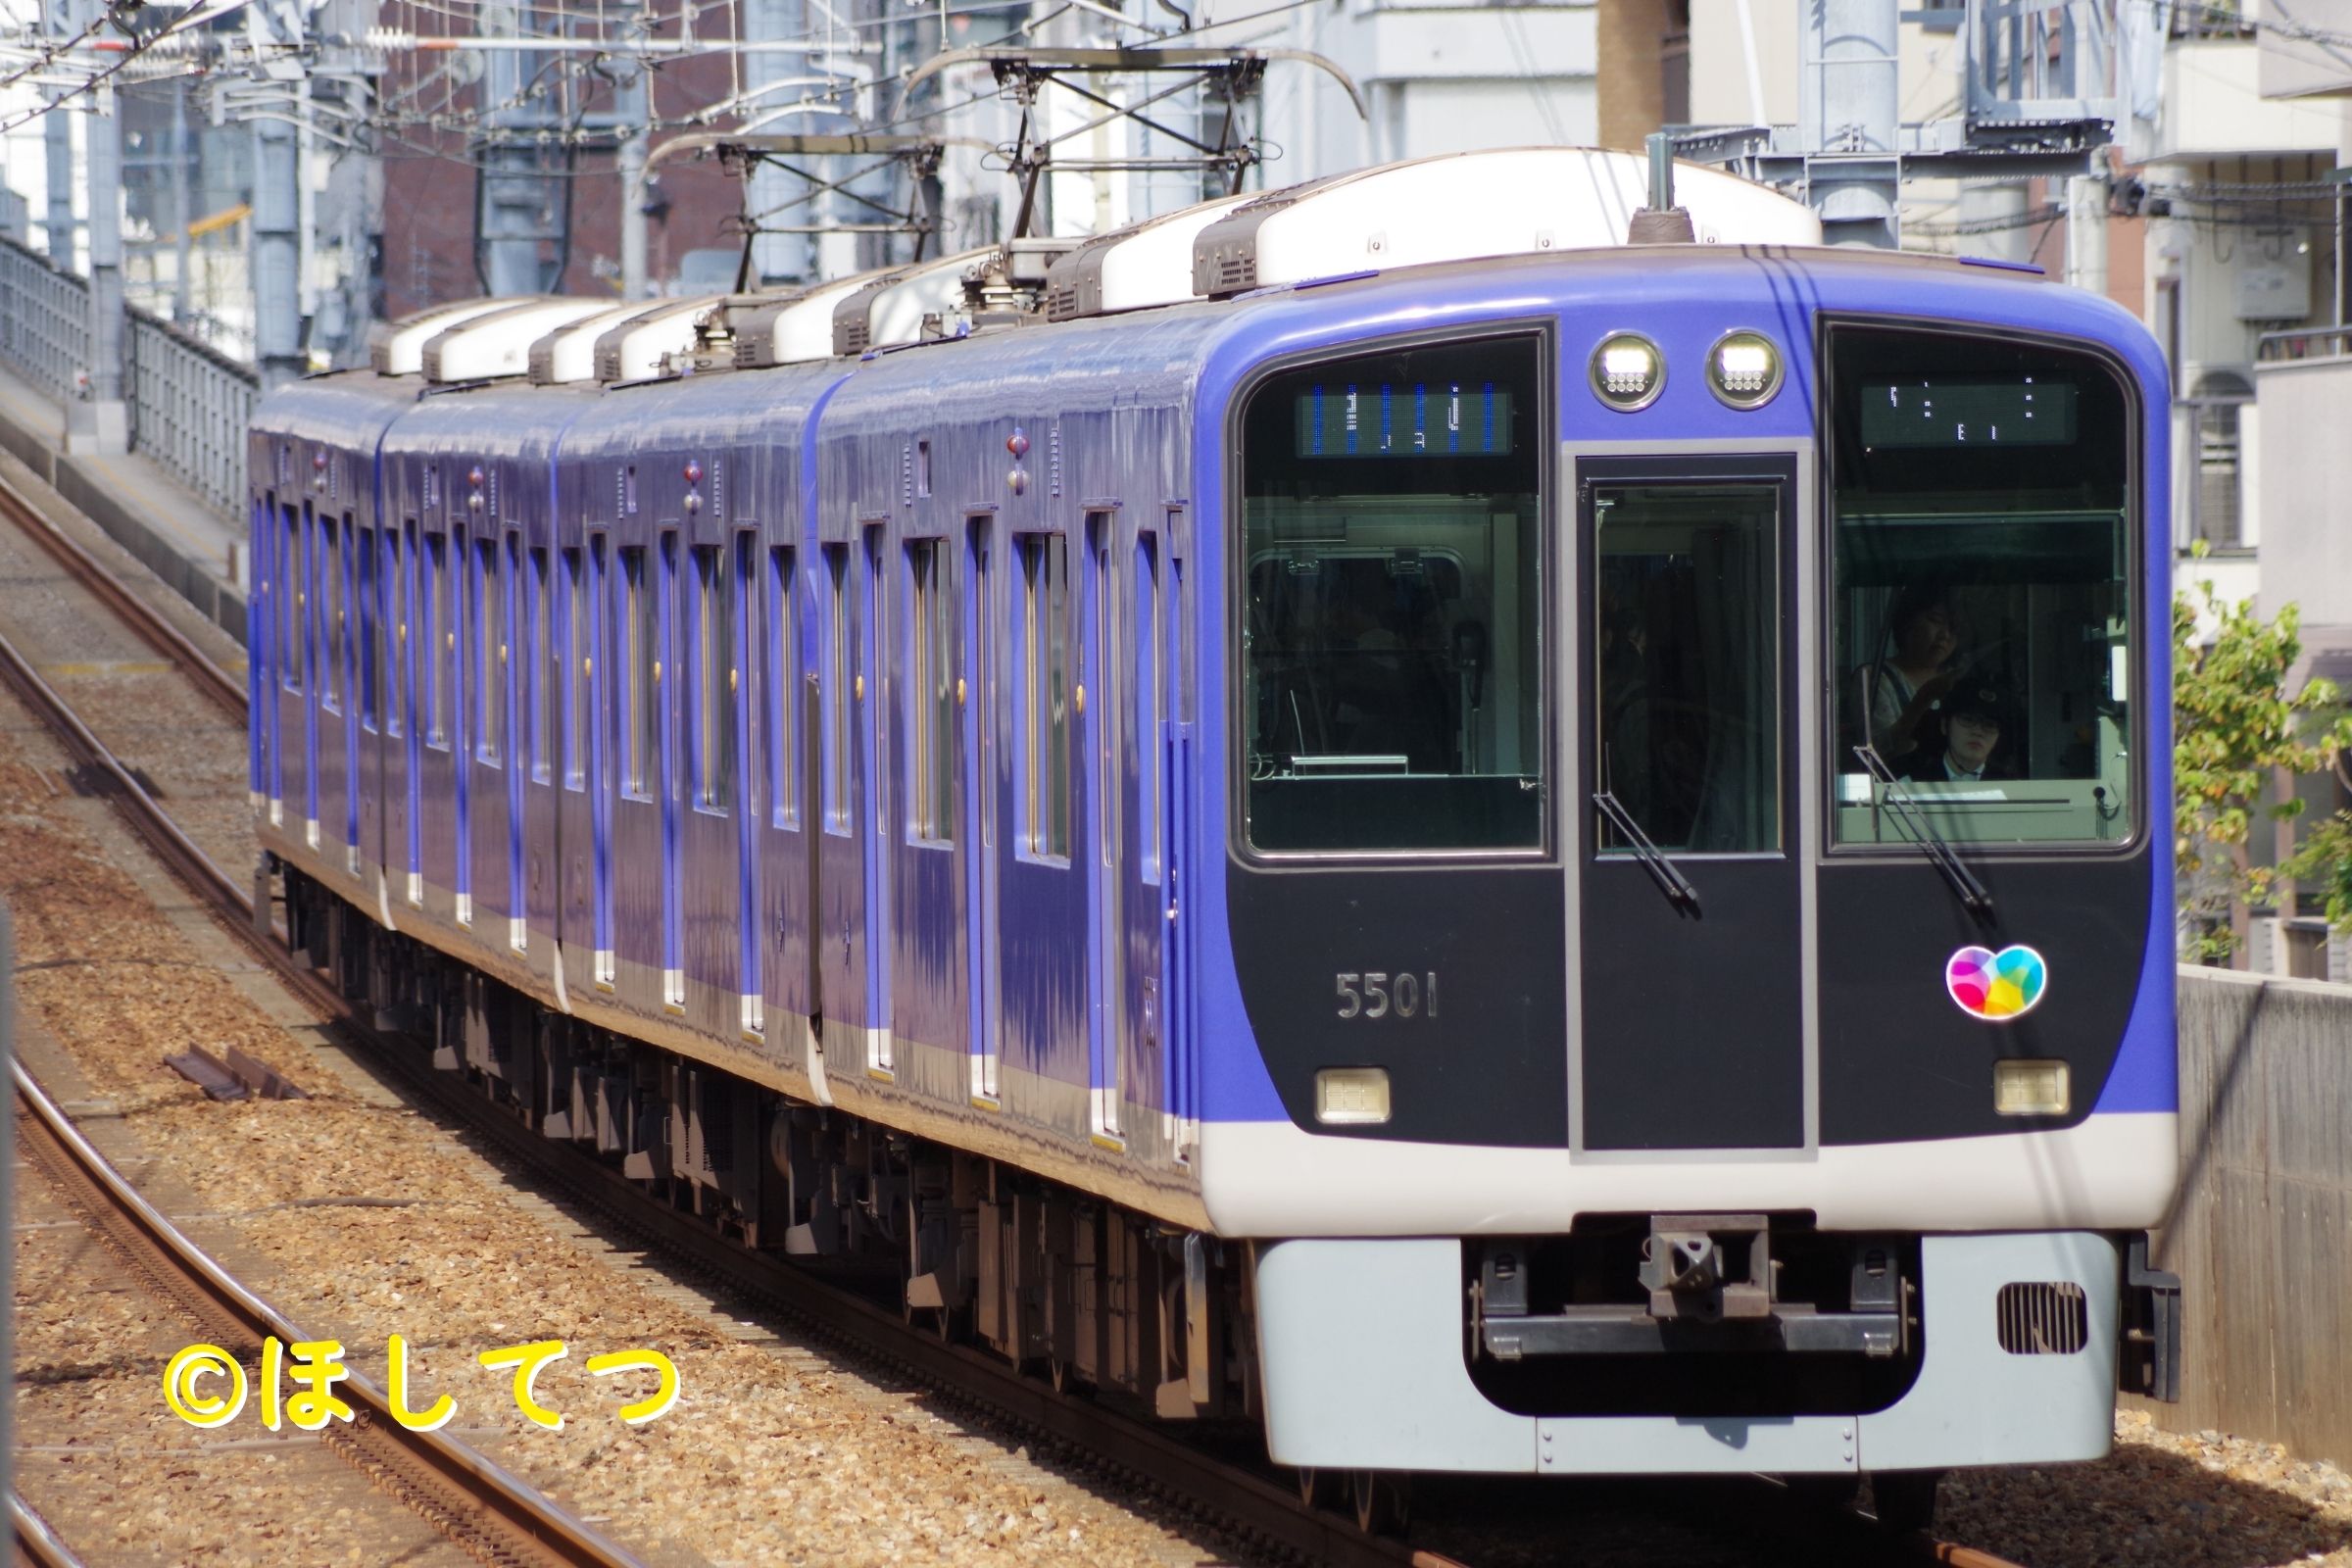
x=1391 y=638
x=1982 y=590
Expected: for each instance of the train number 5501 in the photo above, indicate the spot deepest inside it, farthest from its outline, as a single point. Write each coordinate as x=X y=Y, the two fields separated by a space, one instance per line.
x=1377 y=993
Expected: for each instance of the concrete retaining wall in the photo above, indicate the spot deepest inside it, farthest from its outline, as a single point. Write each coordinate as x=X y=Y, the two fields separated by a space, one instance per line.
x=2262 y=1232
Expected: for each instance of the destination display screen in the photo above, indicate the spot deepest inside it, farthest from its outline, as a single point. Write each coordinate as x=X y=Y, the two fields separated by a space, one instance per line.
x=1408 y=419
x=2027 y=413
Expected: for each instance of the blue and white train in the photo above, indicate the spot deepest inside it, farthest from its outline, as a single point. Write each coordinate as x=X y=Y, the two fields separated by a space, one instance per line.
x=1366 y=809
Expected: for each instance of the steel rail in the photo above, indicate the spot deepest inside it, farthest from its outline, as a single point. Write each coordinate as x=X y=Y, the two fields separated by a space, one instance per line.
x=461 y=1491
x=224 y=690
x=466 y=1495
x=1251 y=1504
x=37 y=1545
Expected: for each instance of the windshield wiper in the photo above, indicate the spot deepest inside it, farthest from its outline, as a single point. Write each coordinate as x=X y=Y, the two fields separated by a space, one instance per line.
x=1664 y=872
x=1973 y=894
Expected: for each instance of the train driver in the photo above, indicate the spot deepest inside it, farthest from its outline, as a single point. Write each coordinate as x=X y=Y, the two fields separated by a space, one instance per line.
x=1975 y=715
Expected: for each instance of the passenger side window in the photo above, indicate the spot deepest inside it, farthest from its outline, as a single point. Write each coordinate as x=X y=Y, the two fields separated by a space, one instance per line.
x=1392 y=651
x=489 y=653
x=931 y=692
x=293 y=580
x=435 y=586
x=1045 y=686
x=838 y=736
x=785 y=712
x=573 y=674
x=1981 y=589
x=639 y=735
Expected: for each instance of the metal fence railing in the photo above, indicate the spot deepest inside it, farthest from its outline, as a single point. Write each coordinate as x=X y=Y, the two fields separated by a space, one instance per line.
x=44 y=319
x=188 y=404
x=189 y=407
x=2303 y=343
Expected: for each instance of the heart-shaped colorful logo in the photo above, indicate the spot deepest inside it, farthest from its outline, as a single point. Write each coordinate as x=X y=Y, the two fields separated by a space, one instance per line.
x=1996 y=986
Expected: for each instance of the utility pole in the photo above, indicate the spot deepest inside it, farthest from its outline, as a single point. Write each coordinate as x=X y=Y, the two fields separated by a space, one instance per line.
x=2086 y=232
x=98 y=422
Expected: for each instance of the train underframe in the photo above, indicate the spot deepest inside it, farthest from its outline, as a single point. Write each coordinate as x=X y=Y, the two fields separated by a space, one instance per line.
x=1676 y=1344
x=1086 y=1292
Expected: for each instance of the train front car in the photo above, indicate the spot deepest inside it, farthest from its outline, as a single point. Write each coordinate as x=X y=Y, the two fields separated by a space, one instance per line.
x=1691 y=972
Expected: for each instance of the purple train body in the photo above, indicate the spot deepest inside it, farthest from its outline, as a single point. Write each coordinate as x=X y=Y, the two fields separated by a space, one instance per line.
x=954 y=802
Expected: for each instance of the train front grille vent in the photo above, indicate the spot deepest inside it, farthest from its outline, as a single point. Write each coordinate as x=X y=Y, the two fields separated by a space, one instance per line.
x=2048 y=1318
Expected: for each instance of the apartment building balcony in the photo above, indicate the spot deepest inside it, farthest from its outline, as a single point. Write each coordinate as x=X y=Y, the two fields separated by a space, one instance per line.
x=2294 y=477
x=2214 y=108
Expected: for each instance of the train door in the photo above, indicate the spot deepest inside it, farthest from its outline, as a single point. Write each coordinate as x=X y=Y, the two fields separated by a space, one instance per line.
x=983 y=746
x=741 y=779
x=331 y=756
x=270 y=551
x=368 y=814
x=665 y=696
x=345 y=625
x=873 y=644
x=786 y=928
x=1142 y=928
x=515 y=680
x=489 y=764
x=396 y=842
x=464 y=712
x=839 y=882
x=1099 y=651
x=312 y=663
x=259 y=656
x=537 y=834
x=1173 y=754
x=414 y=654
x=1692 y=999
x=601 y=740
x=1045 y=953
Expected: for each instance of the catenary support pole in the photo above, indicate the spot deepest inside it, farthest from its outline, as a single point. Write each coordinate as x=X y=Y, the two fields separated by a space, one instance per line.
x=277 y=293
x=1848 y=117
x=99 y=421
x=2086 y=232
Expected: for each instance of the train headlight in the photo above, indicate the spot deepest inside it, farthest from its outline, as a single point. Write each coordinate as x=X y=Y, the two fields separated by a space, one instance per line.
x=1627 y=371
x=1743 y=369
x=1351 y=1094
x=2030 y=1088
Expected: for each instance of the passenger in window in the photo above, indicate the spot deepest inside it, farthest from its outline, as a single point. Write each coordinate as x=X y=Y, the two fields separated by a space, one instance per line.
x=1902 y=686
x=1974 y=716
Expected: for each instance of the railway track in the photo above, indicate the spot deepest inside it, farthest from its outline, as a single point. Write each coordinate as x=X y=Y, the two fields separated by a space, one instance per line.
x=1234 y=1500
x=36 y=1544
x=492 y=1515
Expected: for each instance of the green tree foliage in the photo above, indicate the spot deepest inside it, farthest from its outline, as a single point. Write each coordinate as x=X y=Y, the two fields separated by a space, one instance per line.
x=2236 y=726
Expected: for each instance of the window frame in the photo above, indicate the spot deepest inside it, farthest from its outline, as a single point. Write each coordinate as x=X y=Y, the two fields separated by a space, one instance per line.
x=1554 y=543
x=933 y=653
x=1034 y=649
x=780 y=664
x=2138 y=608
x=1776 y=466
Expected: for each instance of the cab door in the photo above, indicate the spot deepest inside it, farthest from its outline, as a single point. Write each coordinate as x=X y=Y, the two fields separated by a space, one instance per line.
x=1693 y=1005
